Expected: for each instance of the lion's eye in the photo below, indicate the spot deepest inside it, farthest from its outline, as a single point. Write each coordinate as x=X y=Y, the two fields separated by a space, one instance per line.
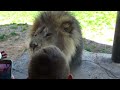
x=43 y=28
x=48 y=34
x=39 y=30
x=35 y=34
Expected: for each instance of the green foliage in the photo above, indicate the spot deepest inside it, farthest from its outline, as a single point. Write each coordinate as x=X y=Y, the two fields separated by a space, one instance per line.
x=13 y=33
x=3 y=37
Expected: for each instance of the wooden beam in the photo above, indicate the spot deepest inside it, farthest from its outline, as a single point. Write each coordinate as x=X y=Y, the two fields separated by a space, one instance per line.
x=116 y=42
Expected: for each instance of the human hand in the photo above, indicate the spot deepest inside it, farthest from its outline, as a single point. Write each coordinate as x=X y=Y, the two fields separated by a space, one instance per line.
x=3 y=55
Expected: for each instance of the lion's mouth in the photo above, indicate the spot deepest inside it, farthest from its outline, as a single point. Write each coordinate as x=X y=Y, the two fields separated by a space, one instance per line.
x=36 y=49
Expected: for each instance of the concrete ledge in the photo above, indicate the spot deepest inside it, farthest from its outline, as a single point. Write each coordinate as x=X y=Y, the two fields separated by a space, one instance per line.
x=93 y=66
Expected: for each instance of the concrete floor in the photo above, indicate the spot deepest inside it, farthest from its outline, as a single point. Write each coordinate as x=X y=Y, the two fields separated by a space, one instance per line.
x=93 y=66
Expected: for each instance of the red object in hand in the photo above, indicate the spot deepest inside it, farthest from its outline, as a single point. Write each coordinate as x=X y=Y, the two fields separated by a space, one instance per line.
x=4 y=55
x=70 y=77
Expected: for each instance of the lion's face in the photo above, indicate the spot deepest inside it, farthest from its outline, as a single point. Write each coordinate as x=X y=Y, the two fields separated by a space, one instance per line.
x=57 y=29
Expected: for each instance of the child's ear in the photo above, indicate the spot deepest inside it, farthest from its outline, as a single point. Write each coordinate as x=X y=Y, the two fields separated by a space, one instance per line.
x=70 y=76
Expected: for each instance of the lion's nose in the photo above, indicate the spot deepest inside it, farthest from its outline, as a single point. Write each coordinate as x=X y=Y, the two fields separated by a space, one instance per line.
x=33 y=45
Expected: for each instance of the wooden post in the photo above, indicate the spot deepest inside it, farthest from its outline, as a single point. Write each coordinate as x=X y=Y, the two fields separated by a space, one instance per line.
x=116 y=42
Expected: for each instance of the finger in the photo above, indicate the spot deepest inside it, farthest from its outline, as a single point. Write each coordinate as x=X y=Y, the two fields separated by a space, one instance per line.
x=4 y=54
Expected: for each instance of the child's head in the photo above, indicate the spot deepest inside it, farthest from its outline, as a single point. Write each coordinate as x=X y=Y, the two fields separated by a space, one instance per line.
x=48 y=63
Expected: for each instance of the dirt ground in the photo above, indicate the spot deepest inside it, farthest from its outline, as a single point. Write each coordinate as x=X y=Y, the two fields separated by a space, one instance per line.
x=13 y=41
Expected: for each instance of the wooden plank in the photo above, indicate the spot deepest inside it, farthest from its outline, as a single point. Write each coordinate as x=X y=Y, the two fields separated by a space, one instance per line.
x=116 y=42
